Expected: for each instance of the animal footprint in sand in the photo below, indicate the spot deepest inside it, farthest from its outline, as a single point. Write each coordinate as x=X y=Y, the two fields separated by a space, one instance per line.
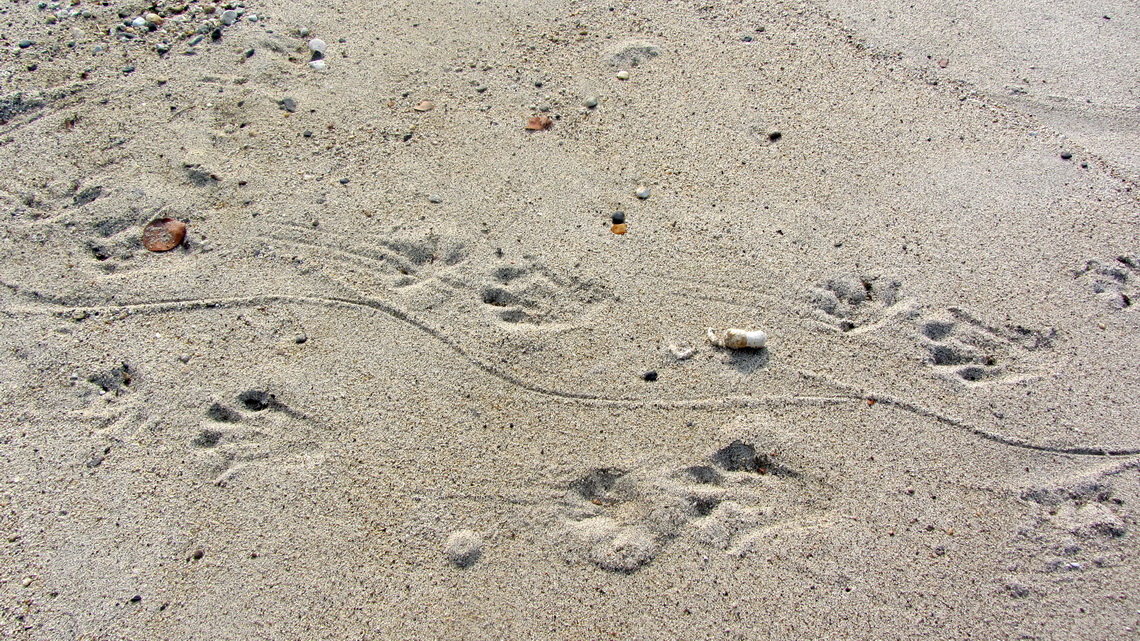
x=1117 y=282
x=852 y=301
x=534 y=295
x=623 y=519
x=964 y=349
x=261 y=430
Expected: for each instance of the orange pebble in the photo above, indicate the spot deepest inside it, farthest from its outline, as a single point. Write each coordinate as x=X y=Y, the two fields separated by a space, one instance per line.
x=618 y=229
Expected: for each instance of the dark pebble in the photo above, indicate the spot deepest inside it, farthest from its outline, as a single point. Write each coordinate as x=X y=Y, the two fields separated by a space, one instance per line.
x=24 y=44
x=136 y=598
x=33 y=67
x=1066 y=155
x=129 y=69
x=1084 y=165
x=747 y=38
x=649 y=376
x=216 y=35
x=249 y=53
x=775 y=136
x=618 y=217
x=306 y=133
x=344 y=181
x=288 y=104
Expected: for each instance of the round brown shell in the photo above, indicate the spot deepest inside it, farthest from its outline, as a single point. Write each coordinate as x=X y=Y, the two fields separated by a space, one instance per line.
x=163 y=234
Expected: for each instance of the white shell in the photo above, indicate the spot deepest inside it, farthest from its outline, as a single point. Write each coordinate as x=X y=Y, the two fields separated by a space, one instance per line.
x=318 y=45
x=733 y=338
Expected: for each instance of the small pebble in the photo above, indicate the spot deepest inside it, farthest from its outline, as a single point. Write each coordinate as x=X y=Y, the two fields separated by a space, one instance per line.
x=229 y=16
x=618 y=217
x=435 y=199
x=185 y=358
x=288 y=104
x=129 y=69
x=24 y=44
x=154 y=18
x=139 y=22
x=642 y=192
x=300 y=339
x=344 y=181
x=253 y=17
x=425 y=105
x=162 y=47
x=319 y=65
x=463 y=548
x=317 y=45
x=619 y=229
x=623 y=75
x=308 y=133
x=591 y=102
x=26 y=582
x=649 y=376
x=196 y=40
x=304 y=32
x=747 y=39
x=1065 y=155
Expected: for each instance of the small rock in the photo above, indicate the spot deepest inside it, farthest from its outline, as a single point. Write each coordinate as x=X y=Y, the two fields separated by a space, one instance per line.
x=252 y=17
x=163 y=234
x=619 y=228
x=344 y=181
x=301 y=339
x=943 y=62
x=463 y=548
x=229 y=16
x=591 y=102
x=435 y=199
x=481 y=88
x=307 y=133
x=154 y=19
x=539 y=123
x=196 y=40
x=139 y=22
x=425 y=105
x=317 y=45
x=649 y=376
x=642 y=192
x=129 y=69
x=618 y=217
x=24 y=44
x=162 y=47
x=304 y=32
x=1065 y=155
x=185 y=358
x=623 y=75
x=288 y=104
x=319 y=65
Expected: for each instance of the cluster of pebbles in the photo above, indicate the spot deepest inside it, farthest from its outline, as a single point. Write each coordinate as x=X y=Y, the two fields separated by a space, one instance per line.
x=165 y=22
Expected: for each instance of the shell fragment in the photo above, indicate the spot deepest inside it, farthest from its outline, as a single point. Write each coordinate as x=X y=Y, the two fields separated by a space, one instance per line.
x=733 y=338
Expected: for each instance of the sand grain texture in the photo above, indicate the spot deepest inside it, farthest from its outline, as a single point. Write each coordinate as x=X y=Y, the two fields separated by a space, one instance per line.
x=394 y=382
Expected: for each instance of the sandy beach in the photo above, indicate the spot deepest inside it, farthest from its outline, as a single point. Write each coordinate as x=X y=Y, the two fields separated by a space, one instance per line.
x=432 y=359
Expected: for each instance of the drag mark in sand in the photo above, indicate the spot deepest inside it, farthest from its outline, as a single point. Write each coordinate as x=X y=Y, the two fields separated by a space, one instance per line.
x=847 y=393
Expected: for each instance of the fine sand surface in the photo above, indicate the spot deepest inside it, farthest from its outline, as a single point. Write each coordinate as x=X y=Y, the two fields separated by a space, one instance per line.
x=396 y=381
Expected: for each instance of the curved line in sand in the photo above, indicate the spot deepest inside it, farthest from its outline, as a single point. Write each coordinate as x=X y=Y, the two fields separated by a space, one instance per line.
x=852 y=394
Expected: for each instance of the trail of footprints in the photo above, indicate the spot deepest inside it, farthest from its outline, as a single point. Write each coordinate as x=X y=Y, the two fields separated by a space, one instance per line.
x=258 y=429
x=620 y=520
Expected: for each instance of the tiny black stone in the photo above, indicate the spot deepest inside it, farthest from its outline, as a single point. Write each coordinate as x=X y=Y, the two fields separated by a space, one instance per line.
x=129 y=69
x=136 y=598
x=24 y=44
x=249 y=53
x=288 y=104
x=306 y=133
x=775 y=136
x=649 y=376
x=216 y=35
x=747 y=38
x=618 y=217
x=344 y=181
x=1065 y=155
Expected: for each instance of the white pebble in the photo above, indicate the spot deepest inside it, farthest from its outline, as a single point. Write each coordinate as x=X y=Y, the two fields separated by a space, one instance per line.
x=623 y=75
x=463 y=548
x=252 y=17
x=139 y=22
x=229 y=16
x=319 y=65
x=642 y=192
x=733 y=338
x=318 y=45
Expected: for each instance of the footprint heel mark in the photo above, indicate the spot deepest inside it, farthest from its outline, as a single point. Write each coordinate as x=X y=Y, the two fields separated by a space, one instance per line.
x=855 y=302
x=964 y=349
x=1115 y=281
x=257 y=429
